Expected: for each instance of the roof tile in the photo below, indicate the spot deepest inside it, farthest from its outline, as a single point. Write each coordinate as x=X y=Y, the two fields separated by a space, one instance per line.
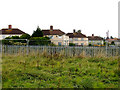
x=76 y=35
x=94 y=38
x=53 y=32
x=12 y=31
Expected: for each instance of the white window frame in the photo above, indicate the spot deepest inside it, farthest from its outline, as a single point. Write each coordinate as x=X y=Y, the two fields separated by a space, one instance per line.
x=59 y=42
x=59 y=36
x=82 y=39
x=3 y=36
x=51 y=37
x=82 y=44
x=76 y=43
x=76 y=39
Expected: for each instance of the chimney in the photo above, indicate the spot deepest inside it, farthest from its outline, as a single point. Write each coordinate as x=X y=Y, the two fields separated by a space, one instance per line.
x=51 y=27
x=73 y=30
x=9 y=26
x=93 y=35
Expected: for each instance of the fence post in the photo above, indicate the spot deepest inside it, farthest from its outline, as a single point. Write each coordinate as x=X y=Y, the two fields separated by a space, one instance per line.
x=27 y=46
x=106 y=47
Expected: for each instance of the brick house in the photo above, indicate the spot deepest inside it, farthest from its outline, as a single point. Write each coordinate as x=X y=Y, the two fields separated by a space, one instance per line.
x=95 y=40
x=78 y=38
x=9 y=32
x=56 y=36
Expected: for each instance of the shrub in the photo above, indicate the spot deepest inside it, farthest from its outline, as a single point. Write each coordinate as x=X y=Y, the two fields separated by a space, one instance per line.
x=39 y=41
x=71 y=44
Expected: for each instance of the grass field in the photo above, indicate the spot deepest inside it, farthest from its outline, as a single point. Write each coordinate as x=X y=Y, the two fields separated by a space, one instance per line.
x=57 y=71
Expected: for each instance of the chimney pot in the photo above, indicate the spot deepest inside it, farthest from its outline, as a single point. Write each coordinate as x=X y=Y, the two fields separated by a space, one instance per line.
x=9 y=26
x=92 y=34
x=73 y=30
x=51 y=27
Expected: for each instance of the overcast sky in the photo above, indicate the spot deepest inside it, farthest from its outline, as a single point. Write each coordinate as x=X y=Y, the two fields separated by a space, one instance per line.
x=91 y=16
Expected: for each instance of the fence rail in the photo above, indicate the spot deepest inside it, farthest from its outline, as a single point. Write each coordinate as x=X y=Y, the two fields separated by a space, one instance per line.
x=67 y=51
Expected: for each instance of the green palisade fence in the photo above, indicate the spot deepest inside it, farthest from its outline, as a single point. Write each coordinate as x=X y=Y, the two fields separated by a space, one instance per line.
x=67 y=51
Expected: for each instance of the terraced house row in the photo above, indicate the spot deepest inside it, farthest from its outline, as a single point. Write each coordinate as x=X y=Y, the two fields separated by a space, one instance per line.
x=57 y=36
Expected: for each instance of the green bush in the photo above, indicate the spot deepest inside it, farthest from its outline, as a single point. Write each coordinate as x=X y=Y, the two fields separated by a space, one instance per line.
x=39 y=41
x=71 y=44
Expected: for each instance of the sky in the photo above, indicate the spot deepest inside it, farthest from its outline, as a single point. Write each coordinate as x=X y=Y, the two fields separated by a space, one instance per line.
x=90 y=16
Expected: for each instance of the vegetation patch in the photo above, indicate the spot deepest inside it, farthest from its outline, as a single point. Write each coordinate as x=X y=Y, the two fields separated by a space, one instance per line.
x=43 y=71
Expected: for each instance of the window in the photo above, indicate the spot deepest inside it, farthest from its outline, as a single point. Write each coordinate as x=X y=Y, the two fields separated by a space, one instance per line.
x=70 y=39
x=51 y=37
x=66 y=42
x=76 y=39
x=59 y=43
x=82 y=39
x=82 y=44
x=98 y=43
x=76 y=43
x=3 y=36
x=59 y=36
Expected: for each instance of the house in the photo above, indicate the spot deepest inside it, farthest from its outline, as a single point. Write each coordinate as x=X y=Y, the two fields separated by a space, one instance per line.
x=56 y=36
x=9 y=32
x=77 y=38
x=113 y=41
x=117 y=42
x=110 y=41
x=95 y=40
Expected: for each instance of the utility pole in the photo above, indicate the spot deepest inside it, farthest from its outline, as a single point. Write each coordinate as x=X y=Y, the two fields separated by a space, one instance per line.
x=107 y=35
x=106 y=46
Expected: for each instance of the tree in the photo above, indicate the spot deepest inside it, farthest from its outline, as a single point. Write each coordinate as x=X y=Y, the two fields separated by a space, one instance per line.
x=79 y=31
x=112 y=43
x=10 y=42
x=104 y=43
x=107 y=37
x=25 y=36
x=90 y=44
x=8 y=38
x=37 y=33
x=6 y=42
x=15 y=37
x=39 y=41
x=71 y=44
x=111 y=37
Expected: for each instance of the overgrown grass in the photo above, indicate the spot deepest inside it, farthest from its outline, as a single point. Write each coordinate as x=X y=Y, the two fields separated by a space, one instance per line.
x=58 y=71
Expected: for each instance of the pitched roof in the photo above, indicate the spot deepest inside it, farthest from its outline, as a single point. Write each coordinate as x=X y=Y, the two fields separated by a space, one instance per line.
x=68 y=34
x=118 y=40
x=110 y=40
x=76 y=35
x=94 y=38
x=53 y=32
x=114 y=39
x=11 y=31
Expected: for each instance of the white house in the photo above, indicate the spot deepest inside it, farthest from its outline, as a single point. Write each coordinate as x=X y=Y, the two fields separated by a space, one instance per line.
x=56 y=36
x=95 y=40
x=9 y=32
x=78 y=38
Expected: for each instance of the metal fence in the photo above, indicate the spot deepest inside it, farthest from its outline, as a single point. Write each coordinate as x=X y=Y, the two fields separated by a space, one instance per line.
x=65 y=50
